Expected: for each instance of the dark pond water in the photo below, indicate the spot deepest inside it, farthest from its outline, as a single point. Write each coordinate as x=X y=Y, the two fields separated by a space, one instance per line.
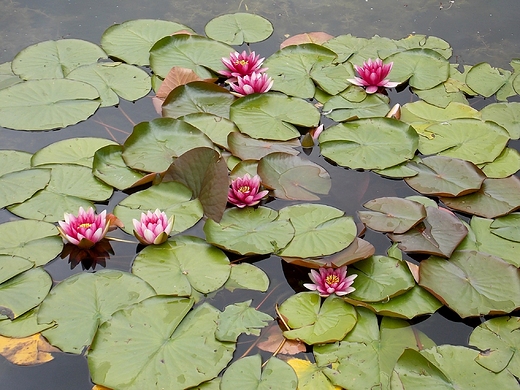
x=478 y=30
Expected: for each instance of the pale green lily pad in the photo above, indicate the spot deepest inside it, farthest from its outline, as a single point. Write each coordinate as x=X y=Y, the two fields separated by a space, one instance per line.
x=35 y=241
x=472 y=283
x=55 y=59
x=156 y=342
x=14 y=160
x=188 y=51
x=375 y=143
x=496 y=197
x=247 y=148
x=467 y=139
x=11 y=266
x=217 y=128
x=240 y=318
x=247 y=276
x=153 y=145
x=340 y=108
x=23 y=326
x=181 y=263
x=249 y=231
x=247 y=374
x=132 y=40
x=197 y=97
x=23 y=292
x=332 y=78
x=439 y=96
x=70 y=187
x=484 y=79
x=445 y=176
x=423 y=68
x=506 y=115
x=365 y=358
x=80 y=303
x=391 y=214
x=114 y=80
x=46 y=104
x=506 y=164
x=235 y=29
x=109 y=167
x=173 y=198
x=358 y=50
x=439 y=234
x=293 y=177
x=7 y=77
x=481 y=238
x=380 y=278
x=500 y=345
x=316 y=323
x=290 y=68
x=78 y=151
x=507 y=227
x=319 y=230
x=273 y=115
x=417 y=41
x=19 y=186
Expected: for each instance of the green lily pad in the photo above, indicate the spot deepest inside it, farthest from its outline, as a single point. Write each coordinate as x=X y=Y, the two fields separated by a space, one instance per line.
x=247 y=276
x=217 y=128
x=340 y=108
x=132 y=40
x=19 y=186
x=35 y=241
x=237 y=28
x=467 y=139
x=273 y=115
x=439 y=234
x=498 y=340
x=472 y=283
x=11 y=266
x=319 y=230
x=153 y=145
x=109 y=167
x=55 y=59
x=439 y=96
x=415 y=41
x=156 y=342
x=249 y=231
x=445 y=176
x=14 y=160
x=496 y=197
x=188 y=51
x=506 y=115
x=310 y=376
x=247 y=148
x=46 y=104
x=78 y=151
x=375 y=143
x=391 y=214
x=7 y=77
x=240 y=318
x=358 y=50
x=114 y=80
x=23 y=326
x=25 y=291
x=506 y=164
x=380 y=278
x=292 y=177
x=80 y=303
x=247 y=374
x=172 y=198
x=316 y=323
x=331 y=77
x=484 y=79
x=181 y=263
x=507 y=227
x=196 y=97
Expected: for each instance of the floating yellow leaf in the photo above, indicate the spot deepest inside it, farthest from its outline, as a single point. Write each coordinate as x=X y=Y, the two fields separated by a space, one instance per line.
x=27 y=351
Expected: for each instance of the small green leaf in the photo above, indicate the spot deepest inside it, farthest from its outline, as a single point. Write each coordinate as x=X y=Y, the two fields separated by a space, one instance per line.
x=240 y=318
x=235 y=29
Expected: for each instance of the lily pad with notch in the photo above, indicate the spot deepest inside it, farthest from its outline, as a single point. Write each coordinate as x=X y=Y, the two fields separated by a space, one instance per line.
x=237 y=28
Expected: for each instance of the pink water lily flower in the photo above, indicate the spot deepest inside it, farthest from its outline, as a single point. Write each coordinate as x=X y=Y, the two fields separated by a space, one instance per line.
x=372 y=76
x=153 y=228
x=240 y=65
x=329 y=281
x=244 y=191
x=254 y=83
x=86 y=229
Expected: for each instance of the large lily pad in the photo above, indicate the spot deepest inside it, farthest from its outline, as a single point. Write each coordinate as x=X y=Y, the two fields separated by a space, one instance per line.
x=249 y=231
x=341 y=108
x=273 y=115
x=315 y=323
x=506 y=115
x=507 y=227
x=217 y=128
x=375 y=143
x=235 y=29
x=156 y=342
x=484 y=79
x=132 y=40
x=17 y=187
x=181 y=263
x=472 y=283
x=506 y=164
x=319 y=230
x=358 y=50
x=47 y=104
x=292 y=177
x=14 y=160
x=240 y=318
x=79 y=304
x=109 y=167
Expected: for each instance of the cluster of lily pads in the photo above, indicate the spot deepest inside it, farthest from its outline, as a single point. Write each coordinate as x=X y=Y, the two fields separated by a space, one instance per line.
x=150 y=327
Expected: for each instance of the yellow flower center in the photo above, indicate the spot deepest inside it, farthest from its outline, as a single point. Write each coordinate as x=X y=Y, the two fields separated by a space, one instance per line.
x=331 y=279
x=244 y=189
x=241 y=62
x=85 y=225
